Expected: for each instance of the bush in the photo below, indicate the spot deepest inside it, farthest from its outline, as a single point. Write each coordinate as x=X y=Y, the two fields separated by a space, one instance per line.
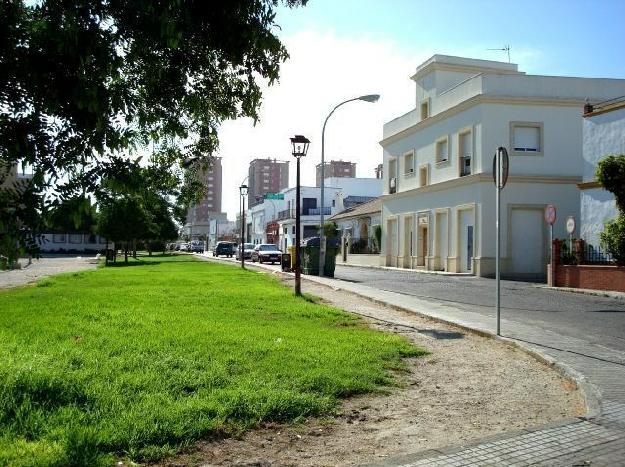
x=613 y=238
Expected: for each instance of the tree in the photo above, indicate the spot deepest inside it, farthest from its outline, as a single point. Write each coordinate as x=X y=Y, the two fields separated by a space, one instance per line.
x=84 y=83
x=611 y=174
x=124 y=220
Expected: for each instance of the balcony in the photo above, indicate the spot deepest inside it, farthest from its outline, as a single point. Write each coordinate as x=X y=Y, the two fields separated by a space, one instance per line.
x=465 y=166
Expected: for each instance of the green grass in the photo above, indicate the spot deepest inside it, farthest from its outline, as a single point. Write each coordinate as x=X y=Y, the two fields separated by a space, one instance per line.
x=140 y=361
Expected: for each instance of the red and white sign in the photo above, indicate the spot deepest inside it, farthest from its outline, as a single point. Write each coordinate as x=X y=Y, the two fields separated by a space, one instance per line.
x=550 y=214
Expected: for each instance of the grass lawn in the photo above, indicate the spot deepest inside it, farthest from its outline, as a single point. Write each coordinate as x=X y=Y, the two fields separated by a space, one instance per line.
x=138 y=361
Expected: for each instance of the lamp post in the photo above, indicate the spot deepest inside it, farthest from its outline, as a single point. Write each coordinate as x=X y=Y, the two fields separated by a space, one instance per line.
x=322 y=245
x=300 y=148
x=243 y=192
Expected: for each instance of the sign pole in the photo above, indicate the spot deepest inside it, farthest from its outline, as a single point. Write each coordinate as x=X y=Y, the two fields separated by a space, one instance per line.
x=498 y=244
x=501 y=166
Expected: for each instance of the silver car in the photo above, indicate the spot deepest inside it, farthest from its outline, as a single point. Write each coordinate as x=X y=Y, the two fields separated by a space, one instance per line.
x=266 y=253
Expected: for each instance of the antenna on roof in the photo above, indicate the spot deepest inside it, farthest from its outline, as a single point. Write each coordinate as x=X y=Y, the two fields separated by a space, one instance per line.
x=505 y=48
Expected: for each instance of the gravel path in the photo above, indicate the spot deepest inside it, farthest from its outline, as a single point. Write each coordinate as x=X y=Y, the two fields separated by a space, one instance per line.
x=469 y=387
x=45 y=267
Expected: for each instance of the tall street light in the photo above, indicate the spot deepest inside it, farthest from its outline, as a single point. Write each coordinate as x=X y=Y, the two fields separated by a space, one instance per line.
x=243 y=192
x=300 y=148
x=322 y=244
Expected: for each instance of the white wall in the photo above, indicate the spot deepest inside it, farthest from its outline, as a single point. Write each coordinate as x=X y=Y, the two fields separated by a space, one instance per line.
x=604 y=134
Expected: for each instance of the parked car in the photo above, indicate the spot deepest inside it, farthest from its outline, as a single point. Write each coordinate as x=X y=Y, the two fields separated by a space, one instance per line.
x=184 y=247
x=247 y=250
x=224 y=248
x=196 y=247
x=266 y=253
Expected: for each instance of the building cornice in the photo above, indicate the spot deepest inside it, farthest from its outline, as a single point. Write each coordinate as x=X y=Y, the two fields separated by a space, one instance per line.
x=479 y=178
x=473 y=101
x=435 y=66
x=589 y=185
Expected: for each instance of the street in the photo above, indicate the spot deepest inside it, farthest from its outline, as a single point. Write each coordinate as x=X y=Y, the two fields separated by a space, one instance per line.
x=595 y=319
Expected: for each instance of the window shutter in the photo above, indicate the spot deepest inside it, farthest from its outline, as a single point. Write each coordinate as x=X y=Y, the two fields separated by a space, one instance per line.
x=527 y=139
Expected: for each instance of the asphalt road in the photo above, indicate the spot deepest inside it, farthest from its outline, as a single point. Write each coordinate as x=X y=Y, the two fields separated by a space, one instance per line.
x=595 y=319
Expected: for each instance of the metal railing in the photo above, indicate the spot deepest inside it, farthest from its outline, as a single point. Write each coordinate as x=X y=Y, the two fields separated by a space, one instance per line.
x=583 y=253
x=317 y=211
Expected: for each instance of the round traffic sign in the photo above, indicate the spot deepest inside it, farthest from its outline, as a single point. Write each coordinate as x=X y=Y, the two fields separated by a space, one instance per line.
x=570 y=225
x=550 y=214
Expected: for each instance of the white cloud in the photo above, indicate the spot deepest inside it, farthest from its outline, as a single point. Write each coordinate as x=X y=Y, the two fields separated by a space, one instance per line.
x=323 y=70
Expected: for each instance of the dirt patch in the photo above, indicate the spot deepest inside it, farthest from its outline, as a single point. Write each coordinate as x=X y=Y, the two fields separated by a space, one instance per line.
x=467 y=388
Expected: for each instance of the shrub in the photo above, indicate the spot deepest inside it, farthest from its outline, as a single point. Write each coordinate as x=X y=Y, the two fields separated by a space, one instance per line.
x=613 y=238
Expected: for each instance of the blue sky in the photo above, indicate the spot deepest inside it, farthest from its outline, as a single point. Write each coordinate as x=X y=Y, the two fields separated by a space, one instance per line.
x=583 y=38
x=346 y=48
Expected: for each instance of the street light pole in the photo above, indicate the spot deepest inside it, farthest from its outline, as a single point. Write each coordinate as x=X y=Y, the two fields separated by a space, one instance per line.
x=300 y=148
x=243 y=191
x=322 y=245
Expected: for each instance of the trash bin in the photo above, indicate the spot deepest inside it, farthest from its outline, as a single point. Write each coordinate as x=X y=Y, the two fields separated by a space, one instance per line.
x=286 y=262
x=310 y=256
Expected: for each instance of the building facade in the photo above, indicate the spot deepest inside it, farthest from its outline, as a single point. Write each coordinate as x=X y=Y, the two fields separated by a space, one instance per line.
x=604 y=134
x=440 y=210
x=266 y=176
x=199 y=215
x=336 y=169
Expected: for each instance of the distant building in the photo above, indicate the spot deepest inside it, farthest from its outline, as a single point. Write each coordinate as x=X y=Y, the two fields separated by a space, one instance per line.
x=603 y=130
x=336 y=169
x=266 y=176
x=199 y=215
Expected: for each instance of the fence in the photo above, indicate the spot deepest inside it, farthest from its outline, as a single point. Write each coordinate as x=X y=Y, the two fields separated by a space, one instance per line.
x=582 y=253
x=584 y=267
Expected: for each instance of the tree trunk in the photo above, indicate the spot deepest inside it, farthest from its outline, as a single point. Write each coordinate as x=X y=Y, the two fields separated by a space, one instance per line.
x=134 y=248
x=126 y=251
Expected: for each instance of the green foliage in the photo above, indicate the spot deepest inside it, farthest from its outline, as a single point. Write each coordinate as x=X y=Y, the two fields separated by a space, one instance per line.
x=87 y=82
x=330 y=230
x=613 y=238
x=611 y=174
x=73 y=214
x=144 y=360
x=377 y=234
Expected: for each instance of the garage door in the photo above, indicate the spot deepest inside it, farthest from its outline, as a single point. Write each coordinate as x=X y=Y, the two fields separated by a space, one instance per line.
x=527 y=236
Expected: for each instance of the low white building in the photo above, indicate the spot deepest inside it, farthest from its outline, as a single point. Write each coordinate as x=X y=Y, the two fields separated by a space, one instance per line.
x=220 y=229
x=604 y=134
x=440 y=210
x=339 y=193
x=73 y=242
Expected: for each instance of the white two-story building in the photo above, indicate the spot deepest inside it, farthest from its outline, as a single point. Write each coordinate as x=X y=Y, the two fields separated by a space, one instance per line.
x=440 y=212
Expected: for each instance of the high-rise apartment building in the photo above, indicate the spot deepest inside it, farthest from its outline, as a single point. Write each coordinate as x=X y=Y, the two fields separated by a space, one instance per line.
x=199 y=215
x=266 y=176
x=336 y=169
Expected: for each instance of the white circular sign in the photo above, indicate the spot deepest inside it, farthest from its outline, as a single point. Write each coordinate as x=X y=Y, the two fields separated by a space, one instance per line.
x=570 y=224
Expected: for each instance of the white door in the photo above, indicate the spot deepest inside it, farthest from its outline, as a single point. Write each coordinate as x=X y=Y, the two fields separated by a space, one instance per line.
x=465 y=232
x=442 y=238
x=527 y=241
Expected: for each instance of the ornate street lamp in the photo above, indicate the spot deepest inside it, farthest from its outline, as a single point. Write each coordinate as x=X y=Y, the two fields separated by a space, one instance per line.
x=243 y=192
x=300 y=148
x=322 y=246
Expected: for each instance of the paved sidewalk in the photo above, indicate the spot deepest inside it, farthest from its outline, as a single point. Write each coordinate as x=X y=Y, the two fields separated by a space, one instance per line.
x=597 y=439
x=45 y=267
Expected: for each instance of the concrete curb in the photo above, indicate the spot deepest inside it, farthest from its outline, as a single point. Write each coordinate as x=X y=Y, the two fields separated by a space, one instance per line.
x=597 y=293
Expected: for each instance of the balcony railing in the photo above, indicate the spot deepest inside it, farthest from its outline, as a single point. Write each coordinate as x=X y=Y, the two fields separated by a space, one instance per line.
x=316 y=211
x=290 y=213
x=465 y=166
